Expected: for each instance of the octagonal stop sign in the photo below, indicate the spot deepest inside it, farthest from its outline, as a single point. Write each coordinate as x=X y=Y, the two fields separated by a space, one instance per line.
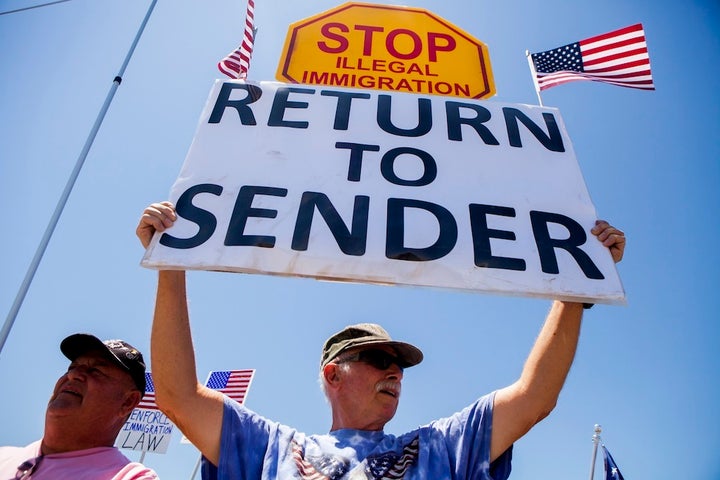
x=386 y=47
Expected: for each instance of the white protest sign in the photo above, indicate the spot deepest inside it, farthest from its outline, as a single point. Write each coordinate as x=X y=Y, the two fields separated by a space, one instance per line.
x=146 y=430
x=388 y=188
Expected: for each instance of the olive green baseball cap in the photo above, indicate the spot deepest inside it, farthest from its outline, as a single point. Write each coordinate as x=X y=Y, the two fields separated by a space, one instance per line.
x=367 y=335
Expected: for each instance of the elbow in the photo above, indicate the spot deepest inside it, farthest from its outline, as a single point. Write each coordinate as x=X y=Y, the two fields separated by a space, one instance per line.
x=537 y=409
x=540 y=405
x=533 y=415
x=543 y=406
x=163 y=400
x=166 y=404
x=171 y=402
x=545 y=410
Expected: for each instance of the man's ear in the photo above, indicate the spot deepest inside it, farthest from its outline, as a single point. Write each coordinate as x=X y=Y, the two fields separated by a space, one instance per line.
x=131 y=400
x=332 y=374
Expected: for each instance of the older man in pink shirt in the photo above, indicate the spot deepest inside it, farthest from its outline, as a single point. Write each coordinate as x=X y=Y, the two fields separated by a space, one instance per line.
x=89 y=405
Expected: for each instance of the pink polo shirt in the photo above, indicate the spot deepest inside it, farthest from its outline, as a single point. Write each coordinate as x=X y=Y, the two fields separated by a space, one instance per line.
x=102 y=463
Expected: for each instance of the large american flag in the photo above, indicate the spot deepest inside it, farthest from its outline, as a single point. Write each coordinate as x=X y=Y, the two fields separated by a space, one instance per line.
x=237 y=63
x=619 y=58
x=148 y=400
x=233 y=383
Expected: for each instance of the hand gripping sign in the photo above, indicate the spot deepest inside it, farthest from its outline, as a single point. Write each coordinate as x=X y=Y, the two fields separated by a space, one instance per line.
x=389 y=188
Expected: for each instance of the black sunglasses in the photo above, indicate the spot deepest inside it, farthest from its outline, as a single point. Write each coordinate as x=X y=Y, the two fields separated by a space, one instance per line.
x=379 y=359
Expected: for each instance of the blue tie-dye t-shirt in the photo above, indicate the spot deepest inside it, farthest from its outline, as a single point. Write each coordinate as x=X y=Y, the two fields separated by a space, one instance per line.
x=456 y=447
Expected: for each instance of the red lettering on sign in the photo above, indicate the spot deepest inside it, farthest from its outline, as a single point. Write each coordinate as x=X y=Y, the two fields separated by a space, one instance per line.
x=390 y=44
x=434 y=46
x=339 y=43
x=367 y=40
x=328 y=33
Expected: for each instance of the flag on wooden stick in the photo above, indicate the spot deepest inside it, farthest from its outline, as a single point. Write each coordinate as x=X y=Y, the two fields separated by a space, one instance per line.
x=618 y=58
x=237 y=63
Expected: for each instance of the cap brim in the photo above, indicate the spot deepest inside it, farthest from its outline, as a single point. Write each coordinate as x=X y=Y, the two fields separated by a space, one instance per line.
x=81 y=343
x=409 y=354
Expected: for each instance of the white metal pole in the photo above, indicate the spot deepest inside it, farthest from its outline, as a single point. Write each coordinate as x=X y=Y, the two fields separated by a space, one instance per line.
x=34 y=6
x=197 y=465
x=533 y=73
x=596 y=441
x=10 y=320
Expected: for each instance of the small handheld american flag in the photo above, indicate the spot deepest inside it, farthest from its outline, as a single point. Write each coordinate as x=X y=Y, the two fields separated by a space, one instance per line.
x=148 y=400
x=233 y=383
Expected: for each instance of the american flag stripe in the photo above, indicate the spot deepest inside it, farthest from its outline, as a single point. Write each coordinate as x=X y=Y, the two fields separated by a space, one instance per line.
x=233 y=383
x=148 y=400
x=237 y=63
x=408 y=458
x=618 y=58
x=306 y=469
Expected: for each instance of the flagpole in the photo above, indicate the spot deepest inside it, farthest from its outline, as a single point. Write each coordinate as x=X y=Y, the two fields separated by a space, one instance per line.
x=197 y=465
x=10 y=320
x=533 y=72
x=596 y=441
x=34 y=6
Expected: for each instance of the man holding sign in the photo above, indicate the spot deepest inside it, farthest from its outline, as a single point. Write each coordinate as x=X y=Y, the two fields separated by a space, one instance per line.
x=361 y=372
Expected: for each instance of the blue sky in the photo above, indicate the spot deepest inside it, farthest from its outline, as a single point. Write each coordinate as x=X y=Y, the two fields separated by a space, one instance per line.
x=648 y=371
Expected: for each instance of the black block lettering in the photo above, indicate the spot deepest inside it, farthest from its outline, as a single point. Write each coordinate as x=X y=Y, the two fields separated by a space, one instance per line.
x=546 y=245
x=243 y=210
x=205 y=220
x=387 y=165
x=342 y=111
x=281 y=103
x=223 y=101
x=395 y=240
x=552 y=140
x=384 y=118
x=351 y=242
x=481 y=236
x=455 y=122
x=356 y=157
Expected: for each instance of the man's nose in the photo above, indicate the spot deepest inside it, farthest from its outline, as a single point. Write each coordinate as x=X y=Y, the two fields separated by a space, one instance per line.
x=77 y=373
x=395 y=372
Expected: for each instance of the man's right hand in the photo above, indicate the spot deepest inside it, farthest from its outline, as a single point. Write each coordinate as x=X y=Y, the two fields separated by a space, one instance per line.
x=156 y=218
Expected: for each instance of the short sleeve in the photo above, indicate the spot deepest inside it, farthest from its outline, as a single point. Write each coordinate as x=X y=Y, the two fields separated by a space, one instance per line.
x=243 y=442
x=467 y=435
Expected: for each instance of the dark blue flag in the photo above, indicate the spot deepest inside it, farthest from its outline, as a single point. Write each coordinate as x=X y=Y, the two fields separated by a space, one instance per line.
x=612 y=472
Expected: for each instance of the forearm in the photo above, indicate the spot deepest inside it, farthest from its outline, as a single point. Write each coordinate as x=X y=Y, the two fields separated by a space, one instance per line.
x=533 y=396
x=173 y=359
x=552 y=355
x=195 y=409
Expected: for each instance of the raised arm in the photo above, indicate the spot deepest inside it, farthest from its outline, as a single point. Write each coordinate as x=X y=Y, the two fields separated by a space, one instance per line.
x=533 y=396
x=195 y=409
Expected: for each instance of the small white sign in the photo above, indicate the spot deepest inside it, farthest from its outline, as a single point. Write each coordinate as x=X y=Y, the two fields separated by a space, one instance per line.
x=147 y=431
x=389 y=188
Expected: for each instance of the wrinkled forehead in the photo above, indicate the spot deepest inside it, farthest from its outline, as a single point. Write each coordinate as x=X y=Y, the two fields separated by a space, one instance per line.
x=99 y=358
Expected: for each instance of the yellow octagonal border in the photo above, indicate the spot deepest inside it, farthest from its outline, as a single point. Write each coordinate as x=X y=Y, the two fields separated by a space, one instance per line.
x=291 y=40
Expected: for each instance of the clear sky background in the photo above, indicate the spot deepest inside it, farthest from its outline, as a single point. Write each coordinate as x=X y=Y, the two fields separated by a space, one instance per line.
x=648 y=372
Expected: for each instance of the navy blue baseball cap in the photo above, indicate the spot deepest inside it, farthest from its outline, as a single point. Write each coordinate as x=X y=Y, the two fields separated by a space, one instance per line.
x=125 y=355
